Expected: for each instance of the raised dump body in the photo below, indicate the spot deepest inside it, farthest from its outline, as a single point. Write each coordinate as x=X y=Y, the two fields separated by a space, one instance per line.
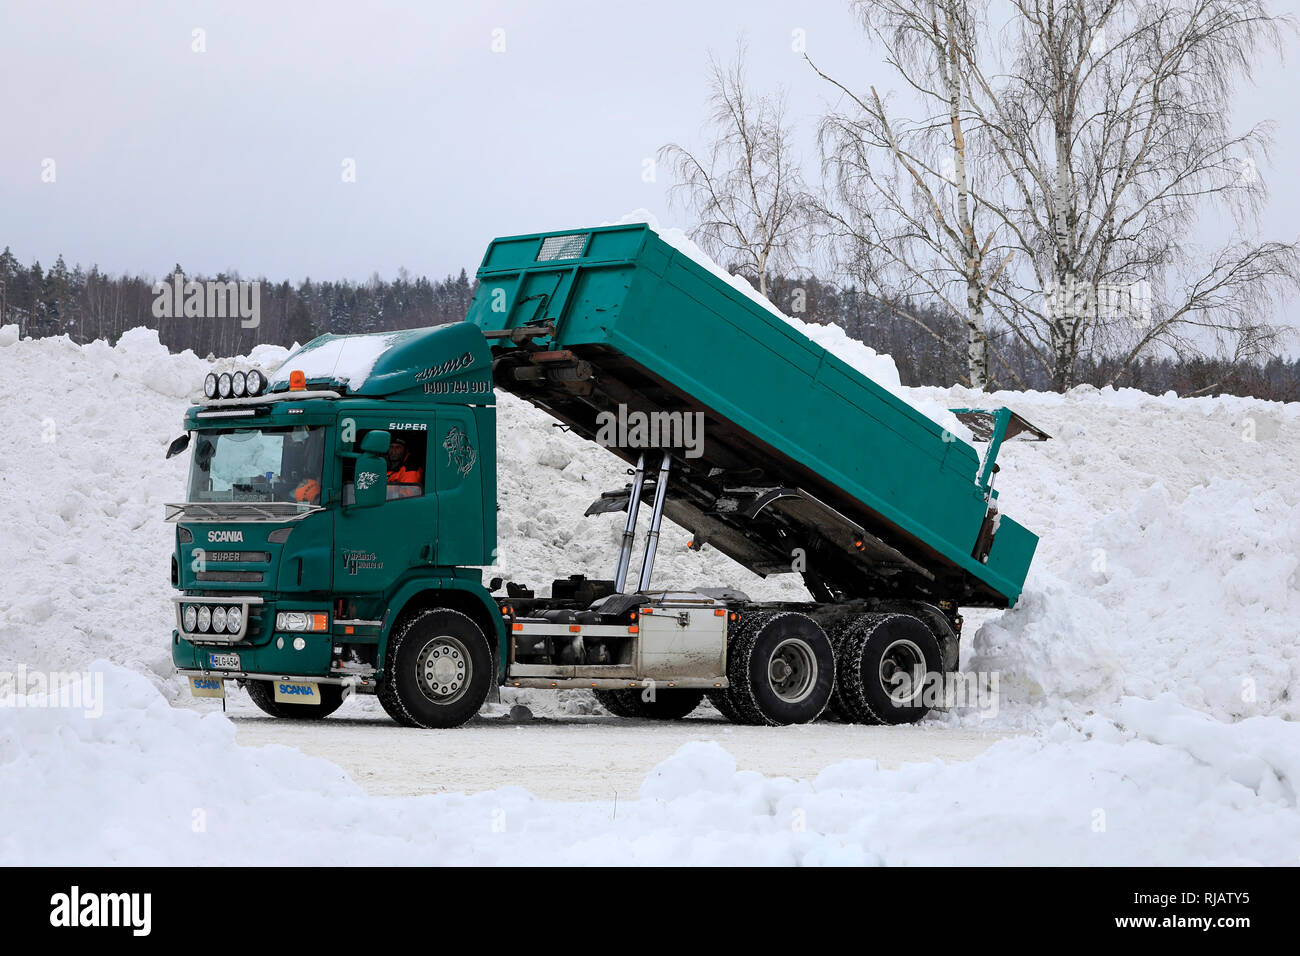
x=805 y=464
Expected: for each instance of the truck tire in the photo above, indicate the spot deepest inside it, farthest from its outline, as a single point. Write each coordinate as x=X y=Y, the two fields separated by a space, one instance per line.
x=438 y=670
x=261 y=693
x=724 y=700
x=885 y=664
x=721 y=700
x=671 y=703
x=838 y=709
x=781 y=669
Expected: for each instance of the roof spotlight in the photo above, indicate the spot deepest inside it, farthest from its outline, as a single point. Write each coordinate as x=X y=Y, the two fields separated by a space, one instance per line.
x=210 y=385
x=223 y=385
x=238 y=383
x=256 y=381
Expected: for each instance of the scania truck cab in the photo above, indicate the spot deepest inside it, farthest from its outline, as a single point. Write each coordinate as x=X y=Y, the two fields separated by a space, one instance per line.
x=295 y=554
x=303 y=571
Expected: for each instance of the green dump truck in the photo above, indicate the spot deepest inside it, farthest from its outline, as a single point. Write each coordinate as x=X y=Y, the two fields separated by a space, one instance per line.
x=339 y=513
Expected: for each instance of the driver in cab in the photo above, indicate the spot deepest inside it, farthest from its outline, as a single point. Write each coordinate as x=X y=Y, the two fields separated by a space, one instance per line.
x=405 y=477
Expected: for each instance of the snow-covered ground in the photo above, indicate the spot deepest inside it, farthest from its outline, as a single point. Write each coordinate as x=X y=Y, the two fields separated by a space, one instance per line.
x=1149 y=679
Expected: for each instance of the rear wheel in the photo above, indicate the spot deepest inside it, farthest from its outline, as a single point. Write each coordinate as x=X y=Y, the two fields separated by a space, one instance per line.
x=671 y=703
x=838 y=709
x=887 y=662
x=438 y=670
x=780 y=668
x=721 y=700
x=262 y=693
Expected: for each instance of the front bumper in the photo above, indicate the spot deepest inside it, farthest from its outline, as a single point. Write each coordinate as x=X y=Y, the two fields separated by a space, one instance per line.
x=360 y=682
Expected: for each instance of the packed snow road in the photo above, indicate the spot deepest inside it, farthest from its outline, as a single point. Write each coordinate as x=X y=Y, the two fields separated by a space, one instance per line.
x=579 y=756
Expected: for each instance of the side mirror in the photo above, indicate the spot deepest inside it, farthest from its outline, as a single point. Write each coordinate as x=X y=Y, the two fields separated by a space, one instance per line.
x=370 y=481
x=178 y=446
x=376 y=443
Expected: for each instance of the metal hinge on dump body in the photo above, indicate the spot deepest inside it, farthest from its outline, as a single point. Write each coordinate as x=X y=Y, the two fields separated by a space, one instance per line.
x=993 y=426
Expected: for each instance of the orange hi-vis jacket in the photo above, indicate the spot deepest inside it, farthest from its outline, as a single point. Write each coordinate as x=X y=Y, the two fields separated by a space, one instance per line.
x=406 y=476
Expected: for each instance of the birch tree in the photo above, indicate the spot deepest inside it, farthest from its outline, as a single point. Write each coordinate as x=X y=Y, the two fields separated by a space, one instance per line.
x=903 y=210
x=1110 y=125
x=1096 y=136
x=745 y=188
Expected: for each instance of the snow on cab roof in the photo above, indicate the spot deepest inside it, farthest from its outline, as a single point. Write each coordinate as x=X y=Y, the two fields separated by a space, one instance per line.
x=346 y=359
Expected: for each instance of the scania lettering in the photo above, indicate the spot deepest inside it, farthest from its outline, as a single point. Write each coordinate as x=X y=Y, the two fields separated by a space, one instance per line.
x=347 y=580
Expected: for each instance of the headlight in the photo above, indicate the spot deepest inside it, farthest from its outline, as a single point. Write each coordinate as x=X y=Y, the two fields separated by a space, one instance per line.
x=210 y=385
x=234 y=620
x=301 y=621
x=218 y=618
x=238 y=382
x=256 y=382
x=223 y=385
x=205 y=618
x=191 y=617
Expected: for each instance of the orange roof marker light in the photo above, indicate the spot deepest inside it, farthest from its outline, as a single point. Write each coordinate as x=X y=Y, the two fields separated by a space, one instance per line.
x=297 y=381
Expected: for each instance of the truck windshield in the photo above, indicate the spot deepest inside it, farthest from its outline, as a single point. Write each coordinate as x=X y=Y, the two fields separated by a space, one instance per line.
x=254 y=464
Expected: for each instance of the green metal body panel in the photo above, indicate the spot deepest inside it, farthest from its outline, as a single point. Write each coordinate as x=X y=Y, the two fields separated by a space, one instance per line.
x=663 y=333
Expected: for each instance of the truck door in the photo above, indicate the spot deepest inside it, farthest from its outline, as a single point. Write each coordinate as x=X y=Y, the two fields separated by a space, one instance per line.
x=457 y=455
x=377 y=545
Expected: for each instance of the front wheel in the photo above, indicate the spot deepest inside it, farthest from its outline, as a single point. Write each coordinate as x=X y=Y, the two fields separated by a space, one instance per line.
x=438 y=670
x=262 y=693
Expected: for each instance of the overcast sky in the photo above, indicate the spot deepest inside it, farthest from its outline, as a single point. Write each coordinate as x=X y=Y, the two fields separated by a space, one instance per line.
x=233 y=158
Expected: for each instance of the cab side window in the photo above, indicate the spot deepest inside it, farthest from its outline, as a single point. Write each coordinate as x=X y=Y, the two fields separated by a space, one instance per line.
x=406 y=465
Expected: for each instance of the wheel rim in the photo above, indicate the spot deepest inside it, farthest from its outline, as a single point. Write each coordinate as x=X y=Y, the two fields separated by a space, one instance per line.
x=442 y=669
x=902 y=657
x=792 y=670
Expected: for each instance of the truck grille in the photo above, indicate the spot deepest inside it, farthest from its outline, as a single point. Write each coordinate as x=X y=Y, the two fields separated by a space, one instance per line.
x=246 y=577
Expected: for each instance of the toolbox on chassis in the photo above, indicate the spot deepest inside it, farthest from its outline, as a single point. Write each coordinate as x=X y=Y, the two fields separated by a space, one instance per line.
x=337 y=516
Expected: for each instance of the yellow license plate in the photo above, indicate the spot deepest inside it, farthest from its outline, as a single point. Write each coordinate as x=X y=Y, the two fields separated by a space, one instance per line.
x=296 y=692
x=207 y=687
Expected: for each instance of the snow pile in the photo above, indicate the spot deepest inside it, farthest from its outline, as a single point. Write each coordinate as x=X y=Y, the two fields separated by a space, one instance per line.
x=84 y=554
x=1169 y=557
x=1198 y=598
x=147 y=783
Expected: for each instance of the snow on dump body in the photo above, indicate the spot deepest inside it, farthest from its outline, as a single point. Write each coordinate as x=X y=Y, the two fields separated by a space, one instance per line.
x=346 y=359
x=877 y=366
